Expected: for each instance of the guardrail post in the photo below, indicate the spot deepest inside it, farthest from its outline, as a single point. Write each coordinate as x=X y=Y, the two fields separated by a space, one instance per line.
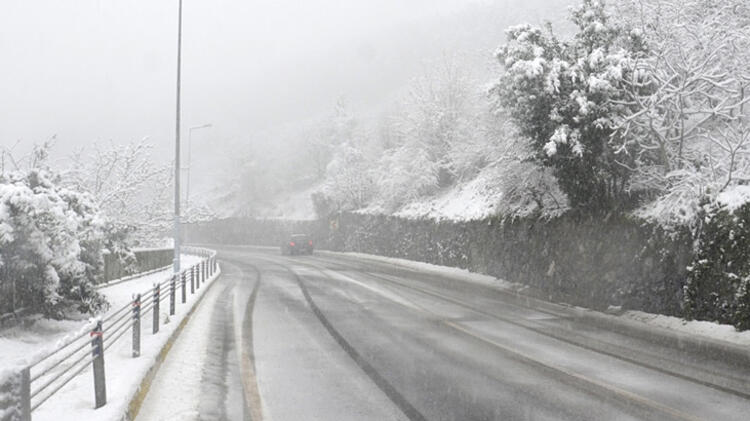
x=25 y=394
x=172 y=294
x=156 y=309
x=203 y=269
x=182 y=280
x=137 y=326
x=198 y=279
x=192 y=279
x=97 y=351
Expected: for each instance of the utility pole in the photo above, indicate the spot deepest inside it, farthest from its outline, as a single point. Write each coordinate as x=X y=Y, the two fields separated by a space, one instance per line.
x=176 y=262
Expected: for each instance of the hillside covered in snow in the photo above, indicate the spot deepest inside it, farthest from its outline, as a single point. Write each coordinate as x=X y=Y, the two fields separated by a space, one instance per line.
x=615 y=108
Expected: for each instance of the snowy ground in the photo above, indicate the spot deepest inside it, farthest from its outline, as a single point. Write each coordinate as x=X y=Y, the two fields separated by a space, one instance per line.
x=294 y=205
x=711 y=330
x=25 y=344
x=476 y=199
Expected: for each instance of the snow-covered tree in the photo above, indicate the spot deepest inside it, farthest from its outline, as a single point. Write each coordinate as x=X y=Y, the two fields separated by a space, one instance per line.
x=440 y=116
x=349 y=184
x=406 y=174
x=566 y=97
x=133 y=191
x=432 y=138
x=331 y=132
x=687 y=128
x=51 y=243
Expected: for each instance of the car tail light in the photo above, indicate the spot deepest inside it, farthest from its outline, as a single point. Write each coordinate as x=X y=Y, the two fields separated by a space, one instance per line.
x=310 y=242
x=291 y=243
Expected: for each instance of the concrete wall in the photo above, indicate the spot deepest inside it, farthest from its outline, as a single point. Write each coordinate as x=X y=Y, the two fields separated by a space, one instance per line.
x=147 y=259
x=260 y=232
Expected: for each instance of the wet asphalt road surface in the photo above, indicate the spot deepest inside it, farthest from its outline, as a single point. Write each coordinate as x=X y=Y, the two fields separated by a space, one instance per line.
x=335 y=337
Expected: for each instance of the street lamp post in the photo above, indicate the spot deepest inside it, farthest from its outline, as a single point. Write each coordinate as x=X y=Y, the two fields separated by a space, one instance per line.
x=176 y=261
x=190 y=162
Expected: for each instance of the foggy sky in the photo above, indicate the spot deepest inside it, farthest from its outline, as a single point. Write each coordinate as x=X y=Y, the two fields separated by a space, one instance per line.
x=99 y=70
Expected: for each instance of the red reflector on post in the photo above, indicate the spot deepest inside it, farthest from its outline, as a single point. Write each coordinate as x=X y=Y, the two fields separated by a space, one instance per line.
x=291 y=243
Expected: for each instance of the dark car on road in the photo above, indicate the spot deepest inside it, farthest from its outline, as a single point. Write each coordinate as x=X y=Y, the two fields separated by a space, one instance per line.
x=297 y=244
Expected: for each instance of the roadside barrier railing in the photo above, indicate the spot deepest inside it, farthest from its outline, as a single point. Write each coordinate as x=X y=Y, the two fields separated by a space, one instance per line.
x=46 y=376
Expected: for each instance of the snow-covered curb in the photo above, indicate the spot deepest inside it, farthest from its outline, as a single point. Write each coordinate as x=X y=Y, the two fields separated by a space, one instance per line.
x=712 y=330
x=124 y=374
x=703 y=337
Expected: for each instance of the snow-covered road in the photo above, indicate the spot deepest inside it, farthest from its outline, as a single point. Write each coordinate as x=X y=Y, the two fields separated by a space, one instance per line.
x=200 y=375
x=336 y=337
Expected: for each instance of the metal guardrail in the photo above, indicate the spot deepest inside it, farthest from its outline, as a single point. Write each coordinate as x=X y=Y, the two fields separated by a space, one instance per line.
x=45 y=377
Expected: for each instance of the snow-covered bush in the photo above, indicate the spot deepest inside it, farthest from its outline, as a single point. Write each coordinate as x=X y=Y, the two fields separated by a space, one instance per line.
x=10 y=394
x=717 y=286
x=566 y=97
x=51 y=242
x=529 y=191
x=406 y=174
x=117 y=240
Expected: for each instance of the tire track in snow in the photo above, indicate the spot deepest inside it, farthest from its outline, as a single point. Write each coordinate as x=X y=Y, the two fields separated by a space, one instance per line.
x=248 y=368
x=394 y=395
x=231 y=342
x=214 y=388
x=642 y=404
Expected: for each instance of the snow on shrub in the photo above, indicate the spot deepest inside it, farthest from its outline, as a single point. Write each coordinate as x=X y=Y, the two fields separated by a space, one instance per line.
x=51 y=242
x=10 y=399
x=407 y=173
x=717 y=285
